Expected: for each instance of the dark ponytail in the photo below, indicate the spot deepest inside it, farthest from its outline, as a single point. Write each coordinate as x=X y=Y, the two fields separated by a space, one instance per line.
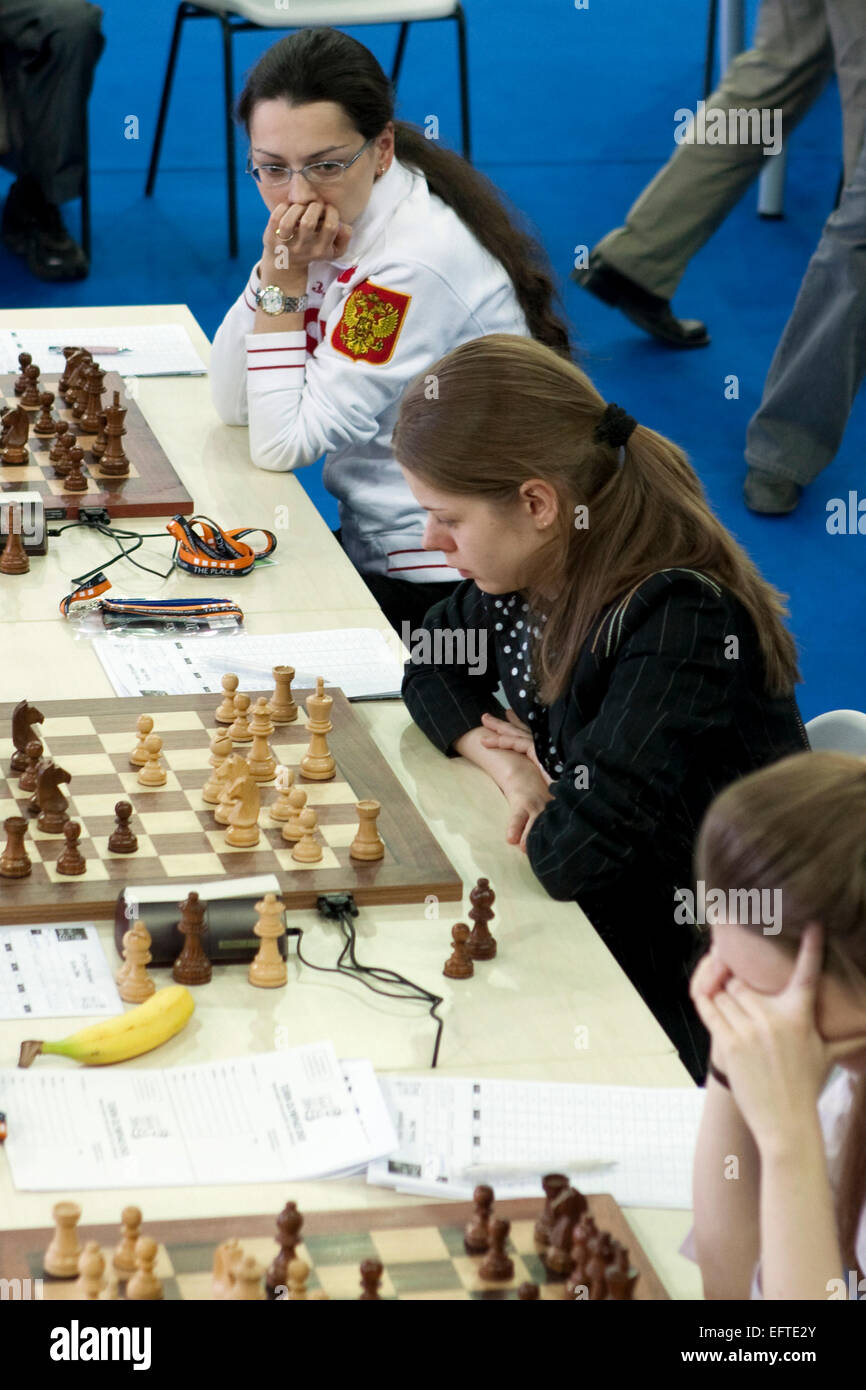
x=327 y=65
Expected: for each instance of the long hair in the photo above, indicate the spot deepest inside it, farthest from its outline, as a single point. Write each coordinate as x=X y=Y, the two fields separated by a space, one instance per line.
x=506 y=409
x=797 y=827
x=327 y=65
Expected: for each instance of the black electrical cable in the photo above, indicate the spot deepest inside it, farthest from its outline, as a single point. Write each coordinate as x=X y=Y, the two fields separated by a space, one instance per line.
x=340 y=907
x=118 y=535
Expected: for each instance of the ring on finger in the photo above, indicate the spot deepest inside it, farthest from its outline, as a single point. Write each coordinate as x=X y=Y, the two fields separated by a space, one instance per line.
x=282 y=235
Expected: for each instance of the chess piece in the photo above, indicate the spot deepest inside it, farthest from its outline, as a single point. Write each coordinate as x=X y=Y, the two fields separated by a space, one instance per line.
x=64 y=1252
x=68 y=384
x=240 y=729
x=143 y=725
x=459 y=964
x=15 y=861
x=24 y=716
x=14 y=559
x=282 y=707
x=281 y=809
x=144 y=1285
x=227 y=1254
x=577 y=1283
x=293 y=830
x=122 y=840
x=299 y=1273
x=497 y=1264
x=136 y=985
x=367 y=844
x=476 y=1236
x=482 y=946
x=75 y=481
x=621 y=1278
x=247 y=1282
x=235 y=766
x=16 y=432
x=59 y=451
x=600 y=1251
x=243 y=831
x=288 y=1236
x=97 y=448
x=526 y=1292
x=33 y=753
x=269 y=970
x=91 y=1272
x=566 y=1210
x=260 y=760
x=220 y=747
x=44 y=426
x=153 y=774
x=93 y=389
x=553 y=1184
x=114 y=463
x=307 y=850
x=318 y=764
x=192 y=966
x=71 y=860
x=53 y=806
x=226 y=711
x=31 y=393
x=123 y=1259
x=371 y=1277
x=24 y=360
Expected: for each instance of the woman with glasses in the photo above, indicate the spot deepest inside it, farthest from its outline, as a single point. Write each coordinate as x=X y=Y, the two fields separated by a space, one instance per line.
x=381 y=252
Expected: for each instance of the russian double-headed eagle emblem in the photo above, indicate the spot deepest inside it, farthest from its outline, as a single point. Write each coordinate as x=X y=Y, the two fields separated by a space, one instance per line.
x=370 y=323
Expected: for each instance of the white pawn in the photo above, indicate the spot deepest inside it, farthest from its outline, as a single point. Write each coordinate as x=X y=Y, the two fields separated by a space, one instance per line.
x=293 y=830
x=220 y=748
x=226 y=711
x=298 y=1274
x=240 y=729
x=134 y=984
x=144 y=1285
x=153 y=774
x=64 y=1252
x=123 y=1259
x=144 y=725
x=91 y=1272
x=308 y=850
x=281 y=809
x=247 y=1284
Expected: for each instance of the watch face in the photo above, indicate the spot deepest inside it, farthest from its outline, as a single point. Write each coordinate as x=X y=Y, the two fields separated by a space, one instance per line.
x=271 y=300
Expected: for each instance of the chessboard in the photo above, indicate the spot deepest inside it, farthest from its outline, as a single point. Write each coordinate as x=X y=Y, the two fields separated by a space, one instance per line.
x=178 y=838
x=152 y=487
x=420 y=1247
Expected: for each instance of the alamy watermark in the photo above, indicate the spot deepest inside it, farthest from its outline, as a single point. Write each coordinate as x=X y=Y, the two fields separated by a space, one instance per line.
x=736 y=126
x=446 y=646
x=717 y=906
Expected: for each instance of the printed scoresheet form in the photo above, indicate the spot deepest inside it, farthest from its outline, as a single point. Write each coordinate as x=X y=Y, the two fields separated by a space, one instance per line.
x=267 y=1118
x=49 y=971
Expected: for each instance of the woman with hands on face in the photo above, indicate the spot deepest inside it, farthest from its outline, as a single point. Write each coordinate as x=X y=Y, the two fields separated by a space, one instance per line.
x=382 y=250
x=784 y=1003
x=643 y=659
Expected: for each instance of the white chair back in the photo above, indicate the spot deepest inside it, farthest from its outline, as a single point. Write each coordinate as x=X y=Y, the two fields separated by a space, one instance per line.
x=839 y=731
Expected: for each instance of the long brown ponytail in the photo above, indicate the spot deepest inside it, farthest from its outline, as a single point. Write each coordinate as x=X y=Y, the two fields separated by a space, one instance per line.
x=327 y=65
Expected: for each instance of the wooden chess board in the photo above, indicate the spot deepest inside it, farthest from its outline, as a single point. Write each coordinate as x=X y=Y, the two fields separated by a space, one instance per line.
x=178 y=837
x=421 y=1248
x=152 y=487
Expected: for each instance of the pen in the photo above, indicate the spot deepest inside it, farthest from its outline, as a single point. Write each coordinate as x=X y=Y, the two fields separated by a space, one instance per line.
x=55 y=347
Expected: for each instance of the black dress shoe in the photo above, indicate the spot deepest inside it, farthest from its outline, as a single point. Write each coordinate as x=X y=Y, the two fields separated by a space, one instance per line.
x=648 y=311
x=33 y=228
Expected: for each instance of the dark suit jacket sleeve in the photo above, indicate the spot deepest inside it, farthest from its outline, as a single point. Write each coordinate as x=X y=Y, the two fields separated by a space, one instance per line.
x=669 y=685
x=445 y=698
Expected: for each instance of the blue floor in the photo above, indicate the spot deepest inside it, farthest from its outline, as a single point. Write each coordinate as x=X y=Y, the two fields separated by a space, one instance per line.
x=572 y=114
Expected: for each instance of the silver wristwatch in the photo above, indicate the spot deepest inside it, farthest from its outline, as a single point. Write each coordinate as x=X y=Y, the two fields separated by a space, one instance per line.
x=273 y=301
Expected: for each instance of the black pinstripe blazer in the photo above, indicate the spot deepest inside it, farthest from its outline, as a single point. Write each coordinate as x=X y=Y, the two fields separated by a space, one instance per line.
x=663 y=710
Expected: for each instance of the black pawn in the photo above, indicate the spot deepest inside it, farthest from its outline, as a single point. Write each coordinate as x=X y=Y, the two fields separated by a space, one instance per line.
x=122 y=840
x=71 y=860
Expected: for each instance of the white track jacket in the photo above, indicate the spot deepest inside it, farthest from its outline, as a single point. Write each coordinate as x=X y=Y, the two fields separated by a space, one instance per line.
x=413 y=284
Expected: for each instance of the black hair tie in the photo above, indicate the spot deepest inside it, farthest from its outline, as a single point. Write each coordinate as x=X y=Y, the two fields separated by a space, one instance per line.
x=614 y=427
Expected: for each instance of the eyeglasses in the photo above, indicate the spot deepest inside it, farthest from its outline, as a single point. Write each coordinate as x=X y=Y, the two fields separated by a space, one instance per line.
x=329 y=171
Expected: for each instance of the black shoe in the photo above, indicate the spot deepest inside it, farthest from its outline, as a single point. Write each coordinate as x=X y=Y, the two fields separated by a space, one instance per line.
x=769 y=493
x=648 y=311
x=33 y=227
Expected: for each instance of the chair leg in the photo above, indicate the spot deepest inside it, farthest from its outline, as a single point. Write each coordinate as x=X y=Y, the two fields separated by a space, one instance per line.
x=231 y=172
x=166 y=93
x=398 y=56
x=710 y=54
x=460 y=17
x=85 y=190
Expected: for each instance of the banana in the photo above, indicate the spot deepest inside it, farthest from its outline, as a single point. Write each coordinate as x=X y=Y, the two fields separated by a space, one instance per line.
x=126 y=1035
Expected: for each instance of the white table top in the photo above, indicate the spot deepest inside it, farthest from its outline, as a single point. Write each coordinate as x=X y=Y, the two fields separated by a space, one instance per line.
x=517 y=1016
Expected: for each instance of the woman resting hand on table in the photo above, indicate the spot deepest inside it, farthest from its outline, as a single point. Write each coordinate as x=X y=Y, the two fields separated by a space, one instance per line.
x=643 y=658
x=783 y=994
x=382 y=250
